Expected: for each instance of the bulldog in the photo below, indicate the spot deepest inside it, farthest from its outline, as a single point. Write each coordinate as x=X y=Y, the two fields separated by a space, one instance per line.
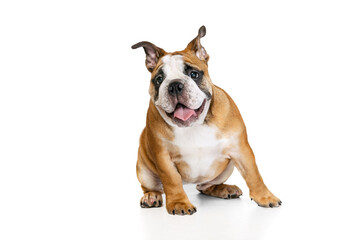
x=194 y=134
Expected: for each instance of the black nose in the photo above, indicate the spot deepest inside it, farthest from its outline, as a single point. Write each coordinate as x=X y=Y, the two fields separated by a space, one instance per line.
x=175 y=88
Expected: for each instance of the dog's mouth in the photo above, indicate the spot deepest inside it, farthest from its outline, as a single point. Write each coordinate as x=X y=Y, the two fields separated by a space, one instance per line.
x=183 y=115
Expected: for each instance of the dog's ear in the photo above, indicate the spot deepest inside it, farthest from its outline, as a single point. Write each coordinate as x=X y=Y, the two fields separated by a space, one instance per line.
x=196 y=47
x=153 y=54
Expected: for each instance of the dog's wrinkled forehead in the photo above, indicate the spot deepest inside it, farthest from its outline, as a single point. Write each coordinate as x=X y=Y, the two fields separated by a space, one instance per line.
x=173 y=66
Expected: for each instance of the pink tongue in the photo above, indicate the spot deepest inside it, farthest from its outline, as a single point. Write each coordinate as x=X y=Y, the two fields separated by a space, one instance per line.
x=184 y=113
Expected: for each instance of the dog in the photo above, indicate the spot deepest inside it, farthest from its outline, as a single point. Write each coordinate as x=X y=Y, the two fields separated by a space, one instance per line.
x=194 y=134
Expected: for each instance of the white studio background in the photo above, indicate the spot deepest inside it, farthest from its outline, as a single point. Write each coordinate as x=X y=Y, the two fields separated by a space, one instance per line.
x=74 y=95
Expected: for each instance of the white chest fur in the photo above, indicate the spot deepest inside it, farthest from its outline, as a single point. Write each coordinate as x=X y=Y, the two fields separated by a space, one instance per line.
x=200 y=148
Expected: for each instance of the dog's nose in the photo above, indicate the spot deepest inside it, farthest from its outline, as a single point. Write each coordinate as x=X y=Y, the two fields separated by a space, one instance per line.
x=175 y=88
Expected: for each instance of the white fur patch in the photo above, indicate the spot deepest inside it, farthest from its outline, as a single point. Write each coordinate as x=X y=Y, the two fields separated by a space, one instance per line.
x=200 y=148
x=173 y=66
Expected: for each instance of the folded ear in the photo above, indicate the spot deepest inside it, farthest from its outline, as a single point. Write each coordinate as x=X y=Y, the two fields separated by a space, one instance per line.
x=153 y=54
x=195 y=45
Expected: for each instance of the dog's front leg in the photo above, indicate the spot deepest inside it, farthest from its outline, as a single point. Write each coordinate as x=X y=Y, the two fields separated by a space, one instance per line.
x=177 y=201
x=245 y=163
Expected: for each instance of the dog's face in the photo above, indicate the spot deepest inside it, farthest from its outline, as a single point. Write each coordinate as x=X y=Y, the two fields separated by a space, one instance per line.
x=180 y=85
x=181 y=90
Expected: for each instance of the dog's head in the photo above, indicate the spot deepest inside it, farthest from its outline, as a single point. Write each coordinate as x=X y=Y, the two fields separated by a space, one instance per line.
x=180 y=86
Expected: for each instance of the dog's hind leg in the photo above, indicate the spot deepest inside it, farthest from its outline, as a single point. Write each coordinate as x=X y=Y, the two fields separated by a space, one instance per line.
x=217 y=188
x=150 y=184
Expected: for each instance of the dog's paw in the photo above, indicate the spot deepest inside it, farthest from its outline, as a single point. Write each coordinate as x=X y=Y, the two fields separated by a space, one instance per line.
x=265 y=199
x=180 y=208
x=223 y=191
x=151 y=199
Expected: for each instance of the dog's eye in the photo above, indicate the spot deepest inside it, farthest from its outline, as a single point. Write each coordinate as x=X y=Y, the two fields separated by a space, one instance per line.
x=159 y=80
x=194 y=75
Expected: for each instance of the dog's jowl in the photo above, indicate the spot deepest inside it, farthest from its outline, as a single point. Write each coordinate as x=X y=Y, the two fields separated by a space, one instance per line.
x=194 y=134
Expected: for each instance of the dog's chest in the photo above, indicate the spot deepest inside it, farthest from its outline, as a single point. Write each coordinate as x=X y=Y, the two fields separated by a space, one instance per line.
x=200 y=151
